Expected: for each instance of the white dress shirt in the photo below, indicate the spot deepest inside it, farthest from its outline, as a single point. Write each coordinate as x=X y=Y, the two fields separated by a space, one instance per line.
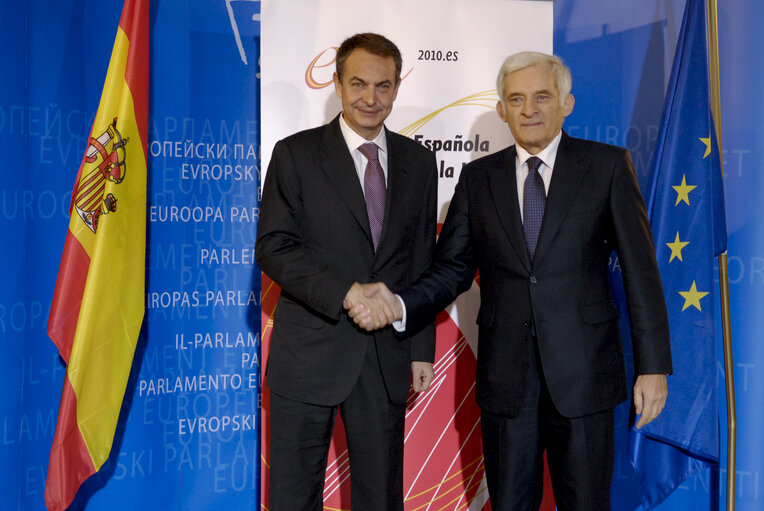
x=547 y=156
x=354 y=141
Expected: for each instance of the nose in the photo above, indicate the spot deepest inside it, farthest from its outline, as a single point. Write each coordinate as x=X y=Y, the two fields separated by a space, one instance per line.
x=529 y=108
x=369 y=96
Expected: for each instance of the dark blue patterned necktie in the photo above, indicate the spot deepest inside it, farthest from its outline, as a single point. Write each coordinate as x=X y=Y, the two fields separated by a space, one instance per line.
x=374 y=188
x=534 y=200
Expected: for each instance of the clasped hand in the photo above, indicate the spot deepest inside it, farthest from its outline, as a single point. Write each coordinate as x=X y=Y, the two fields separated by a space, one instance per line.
x=372 y=306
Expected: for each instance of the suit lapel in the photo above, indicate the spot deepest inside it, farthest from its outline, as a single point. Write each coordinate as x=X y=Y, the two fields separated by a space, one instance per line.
x=569 y=169
x=503 y=190
x=339 y=168
x=397 y=184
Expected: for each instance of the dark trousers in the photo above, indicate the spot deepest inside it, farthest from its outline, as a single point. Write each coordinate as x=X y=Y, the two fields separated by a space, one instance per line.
x=300 y=438
x=579 y=453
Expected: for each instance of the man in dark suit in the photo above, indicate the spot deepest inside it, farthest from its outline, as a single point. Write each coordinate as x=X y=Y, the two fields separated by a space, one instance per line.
x=539 y=221
x=338 y=211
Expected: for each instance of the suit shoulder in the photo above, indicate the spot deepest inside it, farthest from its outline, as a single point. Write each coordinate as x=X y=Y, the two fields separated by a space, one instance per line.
x=304 y=137
x=410 y=145
x=596 y=148
x=485 y=163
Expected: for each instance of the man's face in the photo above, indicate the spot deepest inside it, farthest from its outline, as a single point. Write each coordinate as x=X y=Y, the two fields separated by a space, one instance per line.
x=367 y=90
x=531 y=107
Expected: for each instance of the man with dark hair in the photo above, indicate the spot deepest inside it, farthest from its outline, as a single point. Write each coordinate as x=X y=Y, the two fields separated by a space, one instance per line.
x=345 y=203
x=539 y=220
x=372 y=43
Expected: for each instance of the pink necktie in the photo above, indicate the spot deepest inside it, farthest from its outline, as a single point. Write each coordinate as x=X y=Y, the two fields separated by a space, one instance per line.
x=374 y=186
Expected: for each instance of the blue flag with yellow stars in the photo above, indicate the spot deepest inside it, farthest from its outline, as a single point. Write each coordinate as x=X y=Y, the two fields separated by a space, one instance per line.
x=686 y=207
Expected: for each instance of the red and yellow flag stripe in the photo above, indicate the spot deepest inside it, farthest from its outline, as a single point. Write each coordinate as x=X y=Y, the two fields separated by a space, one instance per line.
x=98 y=304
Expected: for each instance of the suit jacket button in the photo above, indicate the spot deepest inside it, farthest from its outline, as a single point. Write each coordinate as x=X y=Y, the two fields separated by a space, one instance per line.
x=374 y=275
x=526 y=324
x=533 y=280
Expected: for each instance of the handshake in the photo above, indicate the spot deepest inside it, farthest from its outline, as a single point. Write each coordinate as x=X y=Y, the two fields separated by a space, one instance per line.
x=372 y=306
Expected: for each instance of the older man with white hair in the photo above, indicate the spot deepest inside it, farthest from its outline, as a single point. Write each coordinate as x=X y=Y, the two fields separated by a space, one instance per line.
x=539 y=220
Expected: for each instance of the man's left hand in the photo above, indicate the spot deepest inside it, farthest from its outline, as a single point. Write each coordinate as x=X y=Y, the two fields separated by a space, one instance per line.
x=421 y=375
x=650 y=393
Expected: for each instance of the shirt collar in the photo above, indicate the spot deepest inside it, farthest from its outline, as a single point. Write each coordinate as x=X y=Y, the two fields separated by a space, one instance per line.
x=354 y=140
x=547 y=155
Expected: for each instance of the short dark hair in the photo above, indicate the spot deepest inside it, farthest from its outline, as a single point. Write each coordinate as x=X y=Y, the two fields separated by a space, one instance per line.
x=373 y=43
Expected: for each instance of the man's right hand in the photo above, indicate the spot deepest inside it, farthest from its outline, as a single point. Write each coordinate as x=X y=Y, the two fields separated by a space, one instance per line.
x=372 y=306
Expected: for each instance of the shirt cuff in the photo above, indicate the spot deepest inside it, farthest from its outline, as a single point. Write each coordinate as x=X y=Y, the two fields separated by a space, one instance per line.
x=400 y=325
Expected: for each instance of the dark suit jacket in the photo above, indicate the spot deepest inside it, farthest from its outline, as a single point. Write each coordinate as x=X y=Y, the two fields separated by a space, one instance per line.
x=314 y=241
x=593 y=207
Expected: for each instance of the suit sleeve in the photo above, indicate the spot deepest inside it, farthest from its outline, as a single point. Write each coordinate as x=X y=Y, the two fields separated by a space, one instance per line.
x=452 y=271
x=280 y=250
x=642 y=283
x=424 y=234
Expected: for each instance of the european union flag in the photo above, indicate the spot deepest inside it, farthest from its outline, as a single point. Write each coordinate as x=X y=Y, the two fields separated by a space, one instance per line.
x=686 y=207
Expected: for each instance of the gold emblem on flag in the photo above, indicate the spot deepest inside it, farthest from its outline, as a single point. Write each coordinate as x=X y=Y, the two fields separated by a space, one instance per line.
x=104 y=162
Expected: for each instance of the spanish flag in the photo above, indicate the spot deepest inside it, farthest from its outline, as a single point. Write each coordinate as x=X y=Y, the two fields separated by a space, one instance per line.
x=98 y=303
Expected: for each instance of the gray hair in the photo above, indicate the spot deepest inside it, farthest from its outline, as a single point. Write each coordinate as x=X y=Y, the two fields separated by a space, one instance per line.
x=525 y=59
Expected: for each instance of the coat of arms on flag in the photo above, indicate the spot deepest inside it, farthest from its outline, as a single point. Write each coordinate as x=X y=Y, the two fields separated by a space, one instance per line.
x=104 y=161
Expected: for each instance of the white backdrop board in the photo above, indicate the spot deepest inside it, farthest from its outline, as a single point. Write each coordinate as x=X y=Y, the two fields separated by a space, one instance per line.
x=452 y=51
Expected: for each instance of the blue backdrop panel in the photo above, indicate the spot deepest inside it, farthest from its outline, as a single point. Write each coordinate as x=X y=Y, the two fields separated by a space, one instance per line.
x=620 y=59
x=47 y=52
x=740 y=43
x=188 y=434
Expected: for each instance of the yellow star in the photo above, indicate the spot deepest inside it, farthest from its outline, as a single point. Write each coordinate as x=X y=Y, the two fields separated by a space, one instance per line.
x=706 y=141
x=692 y=297
x=676 y=247
x=683 y=191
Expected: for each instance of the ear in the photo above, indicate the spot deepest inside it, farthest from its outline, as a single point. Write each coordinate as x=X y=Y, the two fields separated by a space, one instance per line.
x=337 y=85
x=567 y=107
x=500 y=110
x=395 y=91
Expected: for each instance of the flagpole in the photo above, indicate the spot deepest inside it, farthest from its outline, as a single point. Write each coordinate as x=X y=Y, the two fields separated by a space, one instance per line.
x=713 y=65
